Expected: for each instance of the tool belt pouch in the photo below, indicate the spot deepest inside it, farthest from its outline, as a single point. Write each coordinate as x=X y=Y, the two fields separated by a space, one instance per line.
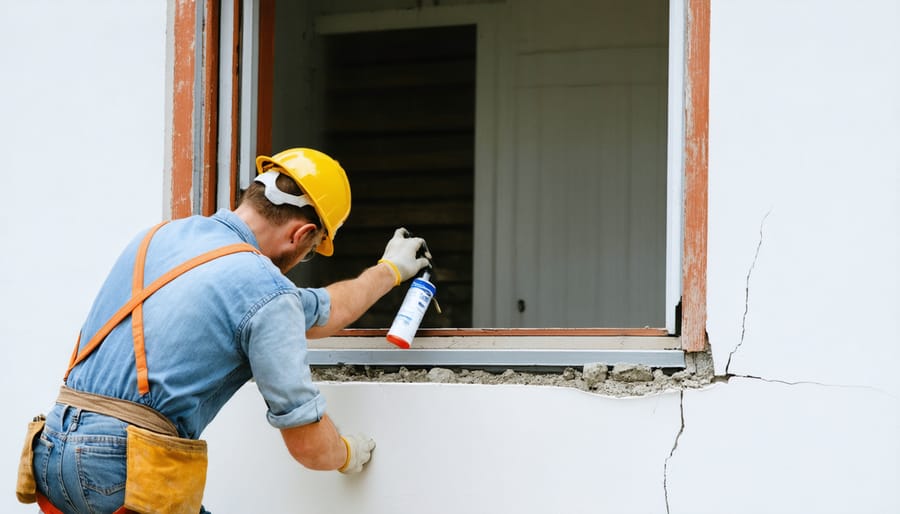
x=25 y=486
x=165 y=473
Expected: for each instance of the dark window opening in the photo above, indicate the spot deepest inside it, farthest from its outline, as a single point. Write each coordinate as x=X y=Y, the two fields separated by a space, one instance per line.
x=398 y=112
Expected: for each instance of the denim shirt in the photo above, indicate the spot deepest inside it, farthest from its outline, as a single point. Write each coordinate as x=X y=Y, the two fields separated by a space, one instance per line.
x=208 y=331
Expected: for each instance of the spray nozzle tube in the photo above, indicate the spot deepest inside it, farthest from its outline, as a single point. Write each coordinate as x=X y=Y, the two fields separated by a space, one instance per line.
x=437 y=306
x=429 y=271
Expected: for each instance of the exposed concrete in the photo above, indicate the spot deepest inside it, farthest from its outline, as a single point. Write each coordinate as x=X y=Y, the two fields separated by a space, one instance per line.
x=623 y=380
x=632 y=373
x=594 y=374
x=441 y=375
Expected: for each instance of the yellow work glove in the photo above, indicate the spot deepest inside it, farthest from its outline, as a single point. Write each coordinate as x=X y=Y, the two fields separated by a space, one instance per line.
x=359 y=451
x=400 y=253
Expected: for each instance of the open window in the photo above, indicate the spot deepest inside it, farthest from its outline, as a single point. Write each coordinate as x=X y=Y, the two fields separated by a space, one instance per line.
x=540 y=148
x=397 y=108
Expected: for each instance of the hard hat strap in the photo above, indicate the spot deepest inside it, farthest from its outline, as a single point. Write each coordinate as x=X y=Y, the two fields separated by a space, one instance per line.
x=277 y=196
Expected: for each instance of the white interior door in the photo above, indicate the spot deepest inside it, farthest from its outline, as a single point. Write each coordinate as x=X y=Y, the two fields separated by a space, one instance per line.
x=591 y=190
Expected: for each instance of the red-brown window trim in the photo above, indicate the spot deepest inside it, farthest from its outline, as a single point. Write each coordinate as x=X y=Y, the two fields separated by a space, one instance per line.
x=693 y=324
x=211 y=112
x=183 y=90
x=234 y=143
x=696 y=184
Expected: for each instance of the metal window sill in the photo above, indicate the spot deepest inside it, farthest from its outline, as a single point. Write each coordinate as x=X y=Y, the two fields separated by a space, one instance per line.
x=500 y=351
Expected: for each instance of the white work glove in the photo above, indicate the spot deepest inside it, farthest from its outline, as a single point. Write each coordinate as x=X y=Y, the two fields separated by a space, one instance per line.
x=400 y=254
x=359 y=451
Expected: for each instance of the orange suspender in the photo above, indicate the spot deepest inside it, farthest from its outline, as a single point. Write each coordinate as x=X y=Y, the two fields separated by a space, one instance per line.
x=139 y=294
x=137 y=316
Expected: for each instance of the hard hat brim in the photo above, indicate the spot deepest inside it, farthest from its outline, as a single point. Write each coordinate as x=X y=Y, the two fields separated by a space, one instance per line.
x=326 y=247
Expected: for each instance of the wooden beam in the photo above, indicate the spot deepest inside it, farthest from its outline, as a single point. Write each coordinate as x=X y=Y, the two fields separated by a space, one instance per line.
x=183 y=90
x=211 y=108
x=696 y=151
x=233 y=183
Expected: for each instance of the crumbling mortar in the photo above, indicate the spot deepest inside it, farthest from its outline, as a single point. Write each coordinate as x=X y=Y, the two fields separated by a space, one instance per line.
x=747 y=292
x=672 y=452
x=595 y=378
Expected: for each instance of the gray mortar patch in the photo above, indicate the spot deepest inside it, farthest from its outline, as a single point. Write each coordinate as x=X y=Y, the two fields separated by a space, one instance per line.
x=598 y=378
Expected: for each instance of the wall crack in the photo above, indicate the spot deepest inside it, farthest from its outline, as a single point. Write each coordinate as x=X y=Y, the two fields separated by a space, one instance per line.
x=747 y=292
x=810 y=382
x=672 y=452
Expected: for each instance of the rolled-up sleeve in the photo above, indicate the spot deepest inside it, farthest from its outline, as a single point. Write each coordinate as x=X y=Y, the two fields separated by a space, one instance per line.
x=316 y=306
x=274 y=340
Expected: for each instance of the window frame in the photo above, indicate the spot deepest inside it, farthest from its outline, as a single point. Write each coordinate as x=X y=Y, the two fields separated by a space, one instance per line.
x=204 y=155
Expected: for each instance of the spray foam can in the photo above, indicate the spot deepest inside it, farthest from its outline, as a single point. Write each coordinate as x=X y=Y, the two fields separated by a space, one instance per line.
x=411 y=312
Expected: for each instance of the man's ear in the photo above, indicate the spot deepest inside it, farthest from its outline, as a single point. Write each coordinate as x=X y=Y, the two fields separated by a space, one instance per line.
x=300 y=230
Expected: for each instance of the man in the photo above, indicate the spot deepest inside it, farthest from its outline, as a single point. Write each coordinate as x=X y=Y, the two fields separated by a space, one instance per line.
x=218 y=311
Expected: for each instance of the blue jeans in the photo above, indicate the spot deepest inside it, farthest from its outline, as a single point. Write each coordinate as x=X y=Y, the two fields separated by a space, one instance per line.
x=79 y=461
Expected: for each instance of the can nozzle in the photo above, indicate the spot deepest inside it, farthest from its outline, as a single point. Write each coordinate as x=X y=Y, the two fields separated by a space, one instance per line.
x=437 y=306
x=425 y=276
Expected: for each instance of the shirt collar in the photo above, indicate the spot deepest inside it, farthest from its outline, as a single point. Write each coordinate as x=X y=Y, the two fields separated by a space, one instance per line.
x=236 y=224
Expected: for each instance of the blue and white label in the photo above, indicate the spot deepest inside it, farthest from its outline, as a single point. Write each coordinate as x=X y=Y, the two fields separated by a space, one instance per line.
x=413 y=309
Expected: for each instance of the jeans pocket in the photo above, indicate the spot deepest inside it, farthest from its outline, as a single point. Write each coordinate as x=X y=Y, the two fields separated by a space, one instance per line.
x=42 y=451
x=101 y=469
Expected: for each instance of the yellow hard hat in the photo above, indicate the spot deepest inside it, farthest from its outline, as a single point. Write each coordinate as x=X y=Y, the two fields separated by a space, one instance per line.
x=322 y=180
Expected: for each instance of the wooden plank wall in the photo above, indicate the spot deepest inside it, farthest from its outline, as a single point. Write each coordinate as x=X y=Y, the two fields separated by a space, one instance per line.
x=399 y=115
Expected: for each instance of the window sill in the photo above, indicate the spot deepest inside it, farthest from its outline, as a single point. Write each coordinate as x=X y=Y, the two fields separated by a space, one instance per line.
x=488 y=350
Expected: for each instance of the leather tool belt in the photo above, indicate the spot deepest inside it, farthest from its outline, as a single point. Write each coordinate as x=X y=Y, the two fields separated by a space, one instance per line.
x=165 y=473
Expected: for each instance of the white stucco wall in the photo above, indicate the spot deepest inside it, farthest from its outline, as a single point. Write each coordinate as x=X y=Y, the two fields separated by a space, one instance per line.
x=81 y=156
x=804 y=124
x=804 y=128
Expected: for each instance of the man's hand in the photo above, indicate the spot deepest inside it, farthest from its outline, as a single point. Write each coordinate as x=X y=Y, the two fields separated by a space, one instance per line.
x=400 y=254
x=359 y=451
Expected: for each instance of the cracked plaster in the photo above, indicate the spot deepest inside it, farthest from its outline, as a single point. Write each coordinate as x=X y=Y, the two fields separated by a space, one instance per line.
x=457 y=448
x=672 y=452
x=809 y=311
x=778 y=447
x=747 y=293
